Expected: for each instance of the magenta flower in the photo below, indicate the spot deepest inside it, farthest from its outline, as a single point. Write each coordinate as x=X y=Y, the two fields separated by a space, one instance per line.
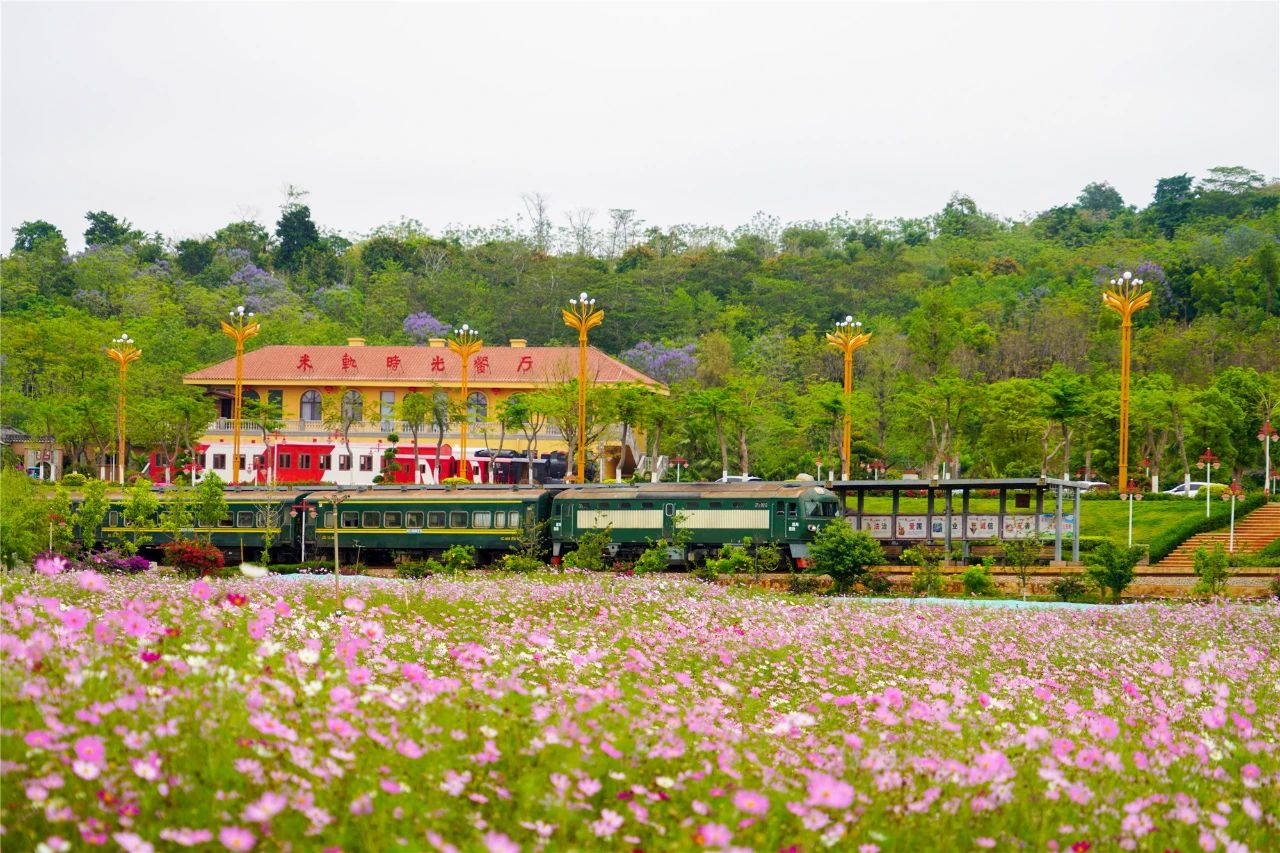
x=750 y=802
x=201 y=590
x=496 y=842
x=236 y=838
x=829 y=792
x=50 y=564
x=713 y=835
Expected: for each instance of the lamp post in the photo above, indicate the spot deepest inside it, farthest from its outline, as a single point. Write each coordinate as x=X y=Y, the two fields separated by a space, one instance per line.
x=875 y=466
x=240 y=329
x=1208 y=463
x=465 y=342
x=847 y=338
x=1131 y=493
x=1267 y=435
x=123 y=353
x=303 y=510
x=583 y=316
x=1233 y=491
x=678 y=461
x=1126 y=296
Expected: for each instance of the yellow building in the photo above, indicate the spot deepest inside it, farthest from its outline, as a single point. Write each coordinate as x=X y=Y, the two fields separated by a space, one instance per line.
x=372 y=381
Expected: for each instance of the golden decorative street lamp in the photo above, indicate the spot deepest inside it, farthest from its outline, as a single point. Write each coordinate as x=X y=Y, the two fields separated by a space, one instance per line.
x=240 y=329
x=847 y=339
x=466 y=343
x=1126 y=296
x=123 y=353
x=583 y=316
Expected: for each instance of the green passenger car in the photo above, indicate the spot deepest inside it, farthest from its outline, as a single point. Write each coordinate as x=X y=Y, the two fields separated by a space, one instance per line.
x=379 y=523
x=253 y=518
x=712 y=515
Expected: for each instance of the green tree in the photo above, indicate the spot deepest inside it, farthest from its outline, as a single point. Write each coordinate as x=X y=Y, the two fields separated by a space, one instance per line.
x=1101 y=198
x=105 y=230
x=340 y=411
x=1064 y=400
x=1021 y=555
x=297 y=234
x=88 y=516
x=844 y=553
x=443 y=414
x=1111 y=567
x=413 y=409
x=1212 y=569
x=29 y=235
x=210 y=506
x=141 y=508
x=23 y=518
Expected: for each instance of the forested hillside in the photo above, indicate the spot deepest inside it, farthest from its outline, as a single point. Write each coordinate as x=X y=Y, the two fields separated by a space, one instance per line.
x=991 y=349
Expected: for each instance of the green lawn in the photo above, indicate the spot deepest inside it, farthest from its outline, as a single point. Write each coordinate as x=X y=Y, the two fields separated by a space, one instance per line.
x=1100 y=518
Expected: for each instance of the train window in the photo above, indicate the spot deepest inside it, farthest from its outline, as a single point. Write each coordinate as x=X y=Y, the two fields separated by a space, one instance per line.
x=260 y=519
x=779 y=510
x=482 y=519
x=350 y=519
x=736 y=504
x=715 y=504
x=559 y=509
x=513 y=519
x=647 y=505
x=625 y=505
x=435 y=519
x=371 y=518
x=113 y=519
x=393 y=519
x=457 y=519
x=244 y=518
x=413 y=519
x=791 y=509
x=327 y=520
x=227 y=521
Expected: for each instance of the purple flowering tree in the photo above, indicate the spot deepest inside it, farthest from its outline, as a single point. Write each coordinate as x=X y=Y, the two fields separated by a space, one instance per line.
x=667 y=364
x=422 y=326
x=262 y=291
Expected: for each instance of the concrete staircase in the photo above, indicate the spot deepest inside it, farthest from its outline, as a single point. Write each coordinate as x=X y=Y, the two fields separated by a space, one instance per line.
x=1253 y=531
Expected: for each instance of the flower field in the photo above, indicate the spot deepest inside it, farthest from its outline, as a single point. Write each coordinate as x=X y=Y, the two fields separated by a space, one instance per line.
x=592 y=712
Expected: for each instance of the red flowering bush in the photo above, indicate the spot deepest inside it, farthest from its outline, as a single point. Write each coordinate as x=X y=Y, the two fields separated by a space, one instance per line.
x=193 y=558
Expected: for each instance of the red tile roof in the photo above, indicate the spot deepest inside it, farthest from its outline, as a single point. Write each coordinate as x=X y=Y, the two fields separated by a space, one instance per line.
x=423 y=365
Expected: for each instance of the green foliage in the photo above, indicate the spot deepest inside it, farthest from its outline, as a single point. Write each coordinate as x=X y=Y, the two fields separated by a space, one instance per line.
x=418 y=569
x=459 y=558
x=141 y=509
x=927 y=579
x=1021 y=555
x=210 y=504
x=1110 y=567
x=844 y=554
x=977 y=579
x=1211 y=567
x=733 y=560
x=653 y=559
x=1069 y=587
x=804 y=584
x=455 y=481
x=74 y=480
x=590 y=552
x=521 y=564
x=23 y=518
x=92 y=508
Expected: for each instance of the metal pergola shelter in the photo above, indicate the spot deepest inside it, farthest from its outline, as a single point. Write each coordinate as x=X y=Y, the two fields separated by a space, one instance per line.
x=941 y=525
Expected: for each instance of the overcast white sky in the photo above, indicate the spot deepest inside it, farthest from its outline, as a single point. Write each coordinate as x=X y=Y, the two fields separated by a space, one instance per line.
x=184 y=117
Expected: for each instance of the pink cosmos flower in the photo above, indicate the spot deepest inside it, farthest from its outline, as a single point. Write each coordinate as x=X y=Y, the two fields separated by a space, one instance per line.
x=713 y=835
x=184 y=837
x=133 y=843
x=50 y=564
x=496 y=842
x=90 y=749
x=265 y=807
x=352 y=603
x=236 y=838
x=829 y=792
x=201 y=590
x=750 y=802
x=91 y=581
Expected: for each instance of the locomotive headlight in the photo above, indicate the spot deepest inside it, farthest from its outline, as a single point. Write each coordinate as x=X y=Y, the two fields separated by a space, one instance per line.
x=813 y=528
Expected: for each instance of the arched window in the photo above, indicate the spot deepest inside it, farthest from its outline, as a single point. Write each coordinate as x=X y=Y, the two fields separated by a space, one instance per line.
x=311 y=406
x=477 y=407
x=250 y=394
x=352 y=406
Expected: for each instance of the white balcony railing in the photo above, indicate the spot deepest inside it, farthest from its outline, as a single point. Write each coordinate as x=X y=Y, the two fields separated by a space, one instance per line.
x=364 y=429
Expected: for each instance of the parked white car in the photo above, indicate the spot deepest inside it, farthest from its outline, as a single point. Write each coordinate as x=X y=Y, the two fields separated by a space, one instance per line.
x=1182 y=491
x=738 y=478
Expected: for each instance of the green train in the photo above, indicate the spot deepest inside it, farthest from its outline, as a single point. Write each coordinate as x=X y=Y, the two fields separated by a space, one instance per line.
x=378 y=523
